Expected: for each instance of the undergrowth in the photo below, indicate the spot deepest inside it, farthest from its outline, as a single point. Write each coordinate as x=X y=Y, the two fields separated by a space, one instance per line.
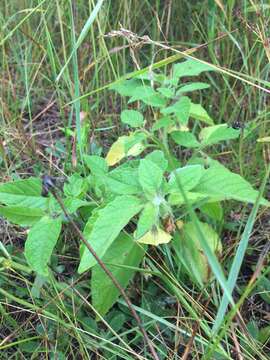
x=108 y=100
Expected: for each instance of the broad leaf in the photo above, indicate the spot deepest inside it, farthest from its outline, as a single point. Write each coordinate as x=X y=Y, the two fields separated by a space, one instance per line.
x=40 y=243
x=199 y=113
x=132 y=118
x=191 y=253
x=214 y=134
x=73 y=204
x=185 y=138
x=96 y=164
x=76 y=186
x=213 y=210
x=155 y=237
x=158 y=158
x=192 y=87
x=166 y=92
x=22 y=216
x=123 y=181
x=163 y=123
x=110 y=221
x=190 y=67
x=150 y=176
x=187 y=177
x=23 y=193
x=123 y=254
x=147 y=95
x=126 y=87
x=221 y=183
x=131 y=145
x=176 y=198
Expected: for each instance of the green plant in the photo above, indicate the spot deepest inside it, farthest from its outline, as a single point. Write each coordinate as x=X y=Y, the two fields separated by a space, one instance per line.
x=146 y=199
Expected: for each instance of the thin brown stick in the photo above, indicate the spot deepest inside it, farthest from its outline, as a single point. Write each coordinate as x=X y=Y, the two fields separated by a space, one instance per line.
x=110 y=275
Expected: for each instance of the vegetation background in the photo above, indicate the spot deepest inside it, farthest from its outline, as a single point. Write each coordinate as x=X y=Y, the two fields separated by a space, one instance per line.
x=45 y=88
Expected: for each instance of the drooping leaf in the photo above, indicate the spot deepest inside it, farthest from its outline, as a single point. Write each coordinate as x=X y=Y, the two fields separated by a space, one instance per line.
x=123 y=254
x=23 y=193
x=190 y=67
x=150 y=176
x=40 y=243
x=213 y=134
x=23 y=216
x=187 y=177
x=148 y=218
x=96 y=164
x=199 y=113
x=192 y=87
x=191 y=253
x=110 y=221
x=219 y=182
x=132 y=118
x=155 y=237
x=185 y=139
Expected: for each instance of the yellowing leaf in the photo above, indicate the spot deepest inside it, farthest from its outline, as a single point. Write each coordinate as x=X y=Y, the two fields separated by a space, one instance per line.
x=131 y=145
x=155 y=237
x=135 y=150
x=264 y=139
x=116 y=152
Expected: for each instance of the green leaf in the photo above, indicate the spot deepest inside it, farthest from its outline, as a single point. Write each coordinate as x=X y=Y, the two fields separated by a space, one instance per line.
x=73 y=204
x=185 y=138
x=147 y=95
x=213 y=134
x=213 y=210
x=40 y=243
x=132 y=117
x=110 y=221
x=22 y=216
x=176 y=198
x=191 y=252
x=188 y=176
x=166 y=92
x=164 y=122
x=123 y=254
x=123 y=181
x=148 y=217
x=190 y=67
x=76 y=186
x=23 y=193
x=221 y=183
x=158 y=158
x=127 y=87
x=192 y=87
x=181 y=109
x=199 y=113
x=96 y=164
x=150 y=176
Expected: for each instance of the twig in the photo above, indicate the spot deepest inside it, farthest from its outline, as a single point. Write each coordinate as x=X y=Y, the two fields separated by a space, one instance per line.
x=49 y=186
